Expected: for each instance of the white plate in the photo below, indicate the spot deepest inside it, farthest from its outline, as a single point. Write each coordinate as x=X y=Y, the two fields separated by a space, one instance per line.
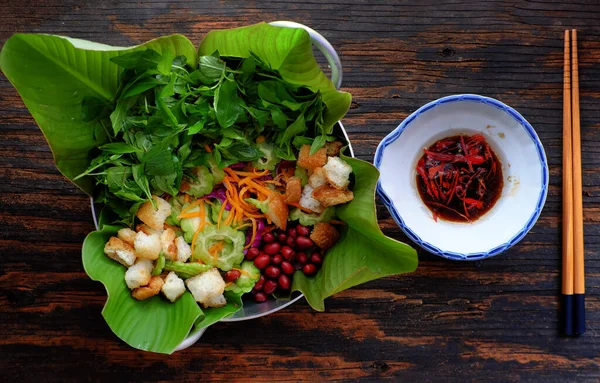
x=524 y=169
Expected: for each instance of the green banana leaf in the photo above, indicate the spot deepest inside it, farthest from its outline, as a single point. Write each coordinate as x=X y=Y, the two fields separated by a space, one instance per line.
x=153 y=324
x=287 y=50
x=53 y=74
x=363 y=253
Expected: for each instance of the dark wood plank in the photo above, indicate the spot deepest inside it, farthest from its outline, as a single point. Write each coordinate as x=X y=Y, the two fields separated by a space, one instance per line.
x=492 y=320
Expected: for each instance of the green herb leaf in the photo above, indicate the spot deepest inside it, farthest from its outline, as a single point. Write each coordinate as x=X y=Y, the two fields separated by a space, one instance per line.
x=139 y=60
x=227 y=104
x=212 y=68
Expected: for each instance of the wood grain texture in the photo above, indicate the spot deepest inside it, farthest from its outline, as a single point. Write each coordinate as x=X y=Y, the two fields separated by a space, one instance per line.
x=492 y=320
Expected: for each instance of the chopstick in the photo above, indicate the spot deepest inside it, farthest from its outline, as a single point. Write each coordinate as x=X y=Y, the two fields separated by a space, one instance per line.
x=578 y=253
x=573 y=278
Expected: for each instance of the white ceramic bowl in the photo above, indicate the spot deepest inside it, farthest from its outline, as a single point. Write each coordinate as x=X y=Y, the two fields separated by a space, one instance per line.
x=524 y=169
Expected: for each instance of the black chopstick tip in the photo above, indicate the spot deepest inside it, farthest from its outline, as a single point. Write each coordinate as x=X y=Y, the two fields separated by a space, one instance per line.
x=579 y=314
x=568 y=311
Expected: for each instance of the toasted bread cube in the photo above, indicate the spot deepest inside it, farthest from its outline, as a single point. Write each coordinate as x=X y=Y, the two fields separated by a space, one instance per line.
x=127 y=235
x=145 y=292
x=139 y=274
x=308 y=202
x=293 y=190
x=147 y=246
x=324 y=235
x=337 y=172
x=329 y=196
x=317 y=178
x=120 y=251
x=218 y=301
x=333 y=148
x=173 y=287
x=167 y=241
x=155 y=218
x=184 y=251
x=278 y=211
x=305 y=160
x=146 y=229
x=206 y=286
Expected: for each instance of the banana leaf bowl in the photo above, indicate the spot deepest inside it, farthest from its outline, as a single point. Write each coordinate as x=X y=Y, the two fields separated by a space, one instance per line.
x=55 y=75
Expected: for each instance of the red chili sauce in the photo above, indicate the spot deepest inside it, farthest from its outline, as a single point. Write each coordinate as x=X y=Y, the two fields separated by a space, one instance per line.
x=459 y=178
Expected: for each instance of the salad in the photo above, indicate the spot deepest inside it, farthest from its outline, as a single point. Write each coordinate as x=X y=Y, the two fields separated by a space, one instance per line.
x=225 y=178
x=222 y=176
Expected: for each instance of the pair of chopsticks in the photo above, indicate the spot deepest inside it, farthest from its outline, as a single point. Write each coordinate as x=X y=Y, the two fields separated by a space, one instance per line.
x=573 y=278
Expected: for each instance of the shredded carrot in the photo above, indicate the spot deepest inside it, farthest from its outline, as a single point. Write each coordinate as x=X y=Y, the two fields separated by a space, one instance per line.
x=215 y=249
x=202 y=217
x=244 y=272
x=191 y=206
x=296 y=204
x=186 y=198
x=253 y=234
x=228 y=284
x=231 y=174
x=263 y=190
x=260 y=139
x=220 y=214
x=207 y=148
x=252 y=174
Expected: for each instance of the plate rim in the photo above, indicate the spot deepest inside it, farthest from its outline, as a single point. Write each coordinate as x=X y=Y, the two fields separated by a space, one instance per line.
x=456 y=256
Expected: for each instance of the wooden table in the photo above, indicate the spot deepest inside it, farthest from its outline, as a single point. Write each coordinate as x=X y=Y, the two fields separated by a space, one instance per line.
x=496 y=319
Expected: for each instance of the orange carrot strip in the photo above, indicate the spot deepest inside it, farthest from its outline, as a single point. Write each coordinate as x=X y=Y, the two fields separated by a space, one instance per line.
x=207 y=148
x=253 y=234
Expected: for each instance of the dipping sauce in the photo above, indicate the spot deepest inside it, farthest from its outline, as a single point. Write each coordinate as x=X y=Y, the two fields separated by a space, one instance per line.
x=459 y=178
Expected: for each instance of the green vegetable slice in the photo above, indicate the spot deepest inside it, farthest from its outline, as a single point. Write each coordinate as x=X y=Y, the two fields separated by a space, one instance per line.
x=186 y=270
x=221 y=247
x=248 y=278
x=159 y=265
x=308 y=219
x=191 y=225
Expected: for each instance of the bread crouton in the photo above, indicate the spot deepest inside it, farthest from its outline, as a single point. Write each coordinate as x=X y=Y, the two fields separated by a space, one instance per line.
x=167 y=241
x=120 y=251
x=307 y=200
x=317 y=178
x=145 y=292
x=155 y=218
x=305 y=160
x=329 y=196
x=184 y=251
x=173 y=287
x=139 y=274
x=146 y=229
x=218 y=301
x=324 y=235
x=127 y=235
x=206 y=286
x=293 y=190
x=147 y=246
x=337 y=172
x=333 y=148
x=277 y=210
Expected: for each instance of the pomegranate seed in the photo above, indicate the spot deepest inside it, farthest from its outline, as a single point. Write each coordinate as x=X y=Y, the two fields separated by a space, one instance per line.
x=262 y=261
x=303 y=230
x=316 y=259
x=272 y=271
x=272 y=248
x=260 y=297
x=277 y=258
x=303 y=242
x=232 y=275
x=302 y=258
x=282 y=238
x=287 y=253
x=260 y=283
x=284 y=282
x=287 y=268
x=252 y=253
x=291 y=242
x=292 y=232
x=270 y=287
x=268 y=238
x=309 y=269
